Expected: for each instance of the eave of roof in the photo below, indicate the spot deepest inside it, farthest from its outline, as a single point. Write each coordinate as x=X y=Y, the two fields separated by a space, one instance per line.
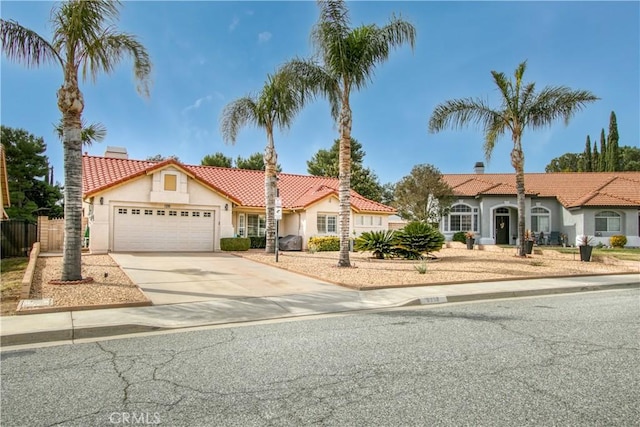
x=572 y=190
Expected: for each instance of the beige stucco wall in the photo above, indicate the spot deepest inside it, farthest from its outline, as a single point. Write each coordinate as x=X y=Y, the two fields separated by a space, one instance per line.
x=138 y=192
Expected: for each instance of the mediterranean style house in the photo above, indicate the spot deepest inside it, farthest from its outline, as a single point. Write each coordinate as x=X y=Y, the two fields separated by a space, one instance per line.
x=596 y=204
x=134 y=205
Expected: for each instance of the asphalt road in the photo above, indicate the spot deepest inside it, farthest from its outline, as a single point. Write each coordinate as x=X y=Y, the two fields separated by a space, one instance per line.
x=562 y=360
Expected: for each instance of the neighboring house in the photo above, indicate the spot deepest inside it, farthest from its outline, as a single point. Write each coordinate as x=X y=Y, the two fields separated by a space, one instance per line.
x=598 y=204
x=5 y=201
x=137 y=205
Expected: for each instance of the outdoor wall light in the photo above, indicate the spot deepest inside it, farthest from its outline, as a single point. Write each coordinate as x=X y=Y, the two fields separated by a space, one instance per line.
x=226 y=206
x=102 y=200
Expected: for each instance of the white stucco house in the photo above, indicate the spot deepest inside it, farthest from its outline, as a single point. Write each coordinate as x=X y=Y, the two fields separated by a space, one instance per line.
x=597 y=204
x=135 y=205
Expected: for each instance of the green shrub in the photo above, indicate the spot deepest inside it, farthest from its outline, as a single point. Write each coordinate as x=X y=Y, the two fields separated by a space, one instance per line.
x=258 y=242
x=618 y=241
x=380 y=243
x=417 y=238
x=421 y=268
x=324 y=244
x=235 y=243
x=460 y=236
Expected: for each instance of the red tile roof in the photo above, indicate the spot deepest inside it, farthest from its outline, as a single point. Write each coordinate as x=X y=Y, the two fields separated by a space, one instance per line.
x=597 y=189
x=244 y=187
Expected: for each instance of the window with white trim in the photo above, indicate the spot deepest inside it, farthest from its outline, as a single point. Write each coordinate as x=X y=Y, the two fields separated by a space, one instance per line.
x=122 y=211
x=370 y=220
x=135 y=211
x=256 y=225
x=461 y=218
x=242 y=230
x=327 y=224
x=540 y=220
x=173 y=213
x=608 y=222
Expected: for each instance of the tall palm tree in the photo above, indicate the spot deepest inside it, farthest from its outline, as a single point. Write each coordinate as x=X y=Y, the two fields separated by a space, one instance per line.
x=84 y=40
x=348 y=57
x=277 y=104
x=522 y=107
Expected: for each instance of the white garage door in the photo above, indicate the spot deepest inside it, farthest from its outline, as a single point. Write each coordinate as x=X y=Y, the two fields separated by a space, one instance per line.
x=162 y=230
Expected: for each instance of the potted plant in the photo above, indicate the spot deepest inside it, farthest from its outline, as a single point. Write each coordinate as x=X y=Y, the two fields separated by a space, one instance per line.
x=584 y=243
x=528 y=238
x=470 y=239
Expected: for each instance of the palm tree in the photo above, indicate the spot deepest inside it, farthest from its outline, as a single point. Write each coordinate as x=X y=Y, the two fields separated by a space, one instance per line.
x=84 y=40
x=277 y=105
x=522 y=107
x=348 y=59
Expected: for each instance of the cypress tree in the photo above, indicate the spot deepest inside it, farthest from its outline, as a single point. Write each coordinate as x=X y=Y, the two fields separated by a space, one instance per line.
x=613 y=154
x=603 y=153
x=595 y=158
x=587 y=156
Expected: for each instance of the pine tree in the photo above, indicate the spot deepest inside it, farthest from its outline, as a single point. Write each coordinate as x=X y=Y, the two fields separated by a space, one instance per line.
x=587 y=156
x=603 y=152
x=595 y=157
x=613 y=153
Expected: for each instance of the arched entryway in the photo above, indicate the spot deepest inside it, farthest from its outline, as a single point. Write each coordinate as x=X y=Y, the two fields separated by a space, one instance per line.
x=501 y=226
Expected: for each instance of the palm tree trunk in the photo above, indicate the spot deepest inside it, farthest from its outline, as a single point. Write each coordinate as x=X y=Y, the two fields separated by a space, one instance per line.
x=517 y=160
x=71 y=104
x=270 y=185
x=344 y=176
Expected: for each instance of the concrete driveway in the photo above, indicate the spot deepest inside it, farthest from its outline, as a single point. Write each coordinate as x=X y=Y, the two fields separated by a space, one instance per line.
x=171 y=278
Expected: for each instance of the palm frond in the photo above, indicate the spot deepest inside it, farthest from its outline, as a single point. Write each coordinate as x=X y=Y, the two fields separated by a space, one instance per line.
x=314 y=80
x=23 y=45
x=458 y=113
x=332 y=27
x=236 y=115
x=95 y=132
x=78 y=23
x=106 y=52
x=554 y=102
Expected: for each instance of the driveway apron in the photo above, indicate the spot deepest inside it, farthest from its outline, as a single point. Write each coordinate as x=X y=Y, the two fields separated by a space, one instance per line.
x=172 y=278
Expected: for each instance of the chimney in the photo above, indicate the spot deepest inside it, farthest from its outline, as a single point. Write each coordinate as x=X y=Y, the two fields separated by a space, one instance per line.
x=478 y=168
x=116 y=153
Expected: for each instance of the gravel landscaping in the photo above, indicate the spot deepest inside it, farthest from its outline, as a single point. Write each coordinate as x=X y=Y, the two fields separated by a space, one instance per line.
x=453 y=265
x=110 y=284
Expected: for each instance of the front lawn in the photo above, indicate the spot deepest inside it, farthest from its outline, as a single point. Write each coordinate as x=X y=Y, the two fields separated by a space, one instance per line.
x=11 y=275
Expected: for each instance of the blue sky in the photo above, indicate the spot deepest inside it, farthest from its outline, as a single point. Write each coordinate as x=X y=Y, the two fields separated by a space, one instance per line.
x=206 y=54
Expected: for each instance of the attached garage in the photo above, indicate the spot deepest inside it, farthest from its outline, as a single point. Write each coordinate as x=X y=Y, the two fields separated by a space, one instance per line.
x=153 y=229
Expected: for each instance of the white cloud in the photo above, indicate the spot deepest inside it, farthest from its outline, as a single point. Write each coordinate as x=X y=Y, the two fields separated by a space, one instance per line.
x=264 y=37
x=234 y=23
x=197 y=104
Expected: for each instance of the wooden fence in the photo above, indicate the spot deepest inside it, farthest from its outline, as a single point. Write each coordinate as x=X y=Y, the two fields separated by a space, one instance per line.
x=51 y=233
x=18 y=236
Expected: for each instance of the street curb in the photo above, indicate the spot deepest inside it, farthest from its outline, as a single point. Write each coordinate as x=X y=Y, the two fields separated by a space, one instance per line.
x=126 y=329
x=516 y=294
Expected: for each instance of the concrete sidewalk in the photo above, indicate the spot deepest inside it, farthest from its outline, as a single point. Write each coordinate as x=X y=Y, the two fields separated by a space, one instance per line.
x=68 y=326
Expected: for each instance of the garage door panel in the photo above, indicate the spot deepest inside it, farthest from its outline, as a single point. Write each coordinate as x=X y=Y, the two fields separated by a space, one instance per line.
x=163 y=230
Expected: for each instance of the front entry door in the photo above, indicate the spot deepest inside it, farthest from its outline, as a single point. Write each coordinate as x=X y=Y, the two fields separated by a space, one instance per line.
x=502 y=229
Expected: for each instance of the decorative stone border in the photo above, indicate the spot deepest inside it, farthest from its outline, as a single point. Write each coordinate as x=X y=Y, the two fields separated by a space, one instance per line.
x=27 y=279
